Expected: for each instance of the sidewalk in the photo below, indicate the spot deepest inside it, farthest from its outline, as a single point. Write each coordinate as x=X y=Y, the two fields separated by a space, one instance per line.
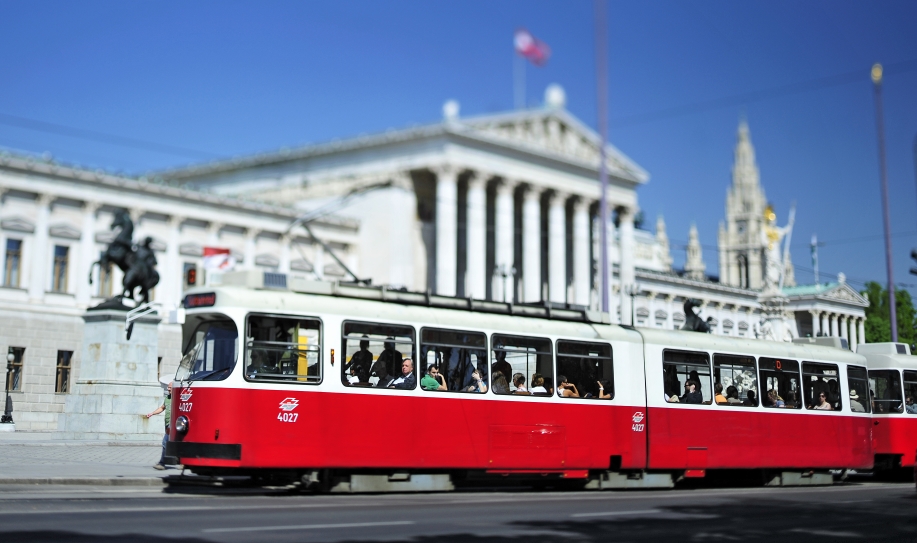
x=46 y=458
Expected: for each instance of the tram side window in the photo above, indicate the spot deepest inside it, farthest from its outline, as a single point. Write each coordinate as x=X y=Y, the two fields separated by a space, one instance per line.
x=738 y=378
x=680 y=368
x=782 y=378
x=373 y=354
x=529 y=356
x=587 y=366
x=858 y=389
x=211 y=348
x=885 y=390
x=453 y=361
x=283 y=348
x=821 y=380
x=910 y=392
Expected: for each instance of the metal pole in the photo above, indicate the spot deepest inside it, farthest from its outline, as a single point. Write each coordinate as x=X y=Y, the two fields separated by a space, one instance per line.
x=601 y=67
x=880 y=126
x=7 y=417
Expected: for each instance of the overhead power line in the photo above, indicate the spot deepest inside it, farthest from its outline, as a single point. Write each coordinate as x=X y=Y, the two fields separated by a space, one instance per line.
x=102 y=137
x=757 y=96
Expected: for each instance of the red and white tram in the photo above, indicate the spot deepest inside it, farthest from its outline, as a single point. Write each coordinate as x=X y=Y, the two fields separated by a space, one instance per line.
x=309 y=383
x=892 y=370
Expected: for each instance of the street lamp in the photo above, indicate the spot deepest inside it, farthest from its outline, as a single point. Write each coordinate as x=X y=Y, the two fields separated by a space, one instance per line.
x=7 y=417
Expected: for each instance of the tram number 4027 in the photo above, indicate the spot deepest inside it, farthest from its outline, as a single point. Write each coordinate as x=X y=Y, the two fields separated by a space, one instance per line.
x=287 y=417
x=184 y=407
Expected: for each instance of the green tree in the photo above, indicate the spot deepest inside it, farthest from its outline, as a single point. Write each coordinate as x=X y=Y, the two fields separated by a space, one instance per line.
x=878 y=325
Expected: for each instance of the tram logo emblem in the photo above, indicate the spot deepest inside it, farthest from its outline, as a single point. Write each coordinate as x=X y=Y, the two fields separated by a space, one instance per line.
x=289 y=404
x=638 y=417
x=186 y=394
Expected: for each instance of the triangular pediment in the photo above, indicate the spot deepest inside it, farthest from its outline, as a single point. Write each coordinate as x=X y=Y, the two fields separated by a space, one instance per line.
x=17 y=224
x=63 y=230
x=845 y=293
x=190 y=249
x=554 y=133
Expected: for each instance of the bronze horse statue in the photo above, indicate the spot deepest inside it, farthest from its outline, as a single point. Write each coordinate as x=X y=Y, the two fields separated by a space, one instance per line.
x=138 y=264
x=693 y=322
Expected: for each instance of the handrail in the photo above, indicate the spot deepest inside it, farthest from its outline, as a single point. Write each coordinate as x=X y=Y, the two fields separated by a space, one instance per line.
x=137 y=313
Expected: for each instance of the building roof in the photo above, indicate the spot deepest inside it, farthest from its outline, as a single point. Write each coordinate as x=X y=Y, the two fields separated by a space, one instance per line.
x=838 y=291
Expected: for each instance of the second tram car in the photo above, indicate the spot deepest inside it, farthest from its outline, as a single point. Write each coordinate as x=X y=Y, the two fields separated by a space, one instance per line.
x=358 y=389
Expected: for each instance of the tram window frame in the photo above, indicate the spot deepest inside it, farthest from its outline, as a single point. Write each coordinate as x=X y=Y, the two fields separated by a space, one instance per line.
x=267 y=350
x=674 y=358
x=529 y=346
x=785 y=375
x=858 y=382
x=818 y=371
x=885 y=405
x=376 y=333
x=736 y=361
x=587 y=386
x=437 y=345
x=199 y=352
x=909 y=380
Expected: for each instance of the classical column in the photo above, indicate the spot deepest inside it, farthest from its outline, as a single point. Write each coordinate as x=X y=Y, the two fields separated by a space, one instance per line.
x=825 y=327
x=628 y=273
x=861 y=329
x=834 y=325
x=251 y=237
x=284 y=265
x=852 y=336
x=669 y=310
x=476 y=238
x=319 y=263
x=557 y=248
x=815 y=322
x=41 y=255
x=842 y=324
x=503 y=238
x=446 y=229
x=172 y=277
x=581 y=263
x=531 y=244
x=213 y=234
x=88 y=254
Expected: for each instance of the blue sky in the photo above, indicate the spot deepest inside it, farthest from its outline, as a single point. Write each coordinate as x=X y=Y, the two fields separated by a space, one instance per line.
x=220 y=79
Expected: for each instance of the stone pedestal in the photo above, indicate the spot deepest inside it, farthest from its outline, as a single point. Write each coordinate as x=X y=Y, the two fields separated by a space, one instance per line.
x=117 y=383
x=777 y=324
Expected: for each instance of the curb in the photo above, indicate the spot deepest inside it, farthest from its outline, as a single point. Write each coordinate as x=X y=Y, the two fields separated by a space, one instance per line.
x=94 y=481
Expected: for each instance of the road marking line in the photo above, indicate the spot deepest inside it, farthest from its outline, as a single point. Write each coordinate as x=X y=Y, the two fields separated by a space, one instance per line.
x=309 y=526
x=178 y=508
x=616 y=513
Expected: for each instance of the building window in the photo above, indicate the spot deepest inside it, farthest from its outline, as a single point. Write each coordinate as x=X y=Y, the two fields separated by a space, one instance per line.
x=13 y=263
x=105 y=281
x=59 y=280
x=14 y=376
x=63 y=371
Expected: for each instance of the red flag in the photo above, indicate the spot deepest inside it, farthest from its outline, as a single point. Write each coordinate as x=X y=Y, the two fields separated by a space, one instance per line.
x=218 y=259
x=531 y=47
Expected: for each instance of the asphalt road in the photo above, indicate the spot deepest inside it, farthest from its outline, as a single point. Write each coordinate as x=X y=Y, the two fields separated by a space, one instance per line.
x=853 y=511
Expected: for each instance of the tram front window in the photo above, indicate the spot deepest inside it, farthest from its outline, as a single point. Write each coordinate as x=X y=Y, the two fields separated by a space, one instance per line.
x=211 y=348
x=885 y=389
x=283 y=348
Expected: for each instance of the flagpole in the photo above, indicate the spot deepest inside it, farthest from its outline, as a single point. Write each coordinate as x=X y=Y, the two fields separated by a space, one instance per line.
x=876 y=74
x=601 y=63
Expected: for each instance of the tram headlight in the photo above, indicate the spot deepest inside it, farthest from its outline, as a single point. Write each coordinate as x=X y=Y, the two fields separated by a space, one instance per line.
x=181 y=424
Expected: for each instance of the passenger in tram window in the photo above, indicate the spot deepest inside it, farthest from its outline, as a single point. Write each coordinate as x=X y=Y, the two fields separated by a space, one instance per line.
x=876 y=408
x=790 y=401
x=751 y=399
x=732 y=395
x=692 y=394
x=353 y=378
x=718 y=394
x=549 y=385
x=834 y=394
x=479 y=384
x=774 y=399
x=378 y=370
x=822 y=404
x=501 y=365
x=696 y=378
x=363 y=359
x=390 y=356
x=433 y=380
x=407 y=380
x=499 y=384
x=565 y=389
x=670 y=383
x=538 y=384
x=855 y=405
x=604 y=384
x=258 y=364
x=910 y=406
x=519 y=383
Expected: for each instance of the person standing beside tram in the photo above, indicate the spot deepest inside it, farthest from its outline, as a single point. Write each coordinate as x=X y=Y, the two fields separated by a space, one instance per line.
x=167 y=407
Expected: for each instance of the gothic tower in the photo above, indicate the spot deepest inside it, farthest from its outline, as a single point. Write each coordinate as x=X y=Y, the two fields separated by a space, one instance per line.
x=739 y=239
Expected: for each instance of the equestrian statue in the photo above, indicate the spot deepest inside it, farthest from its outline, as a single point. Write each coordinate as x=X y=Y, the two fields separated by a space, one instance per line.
x=137 y=262
x=693 y=321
